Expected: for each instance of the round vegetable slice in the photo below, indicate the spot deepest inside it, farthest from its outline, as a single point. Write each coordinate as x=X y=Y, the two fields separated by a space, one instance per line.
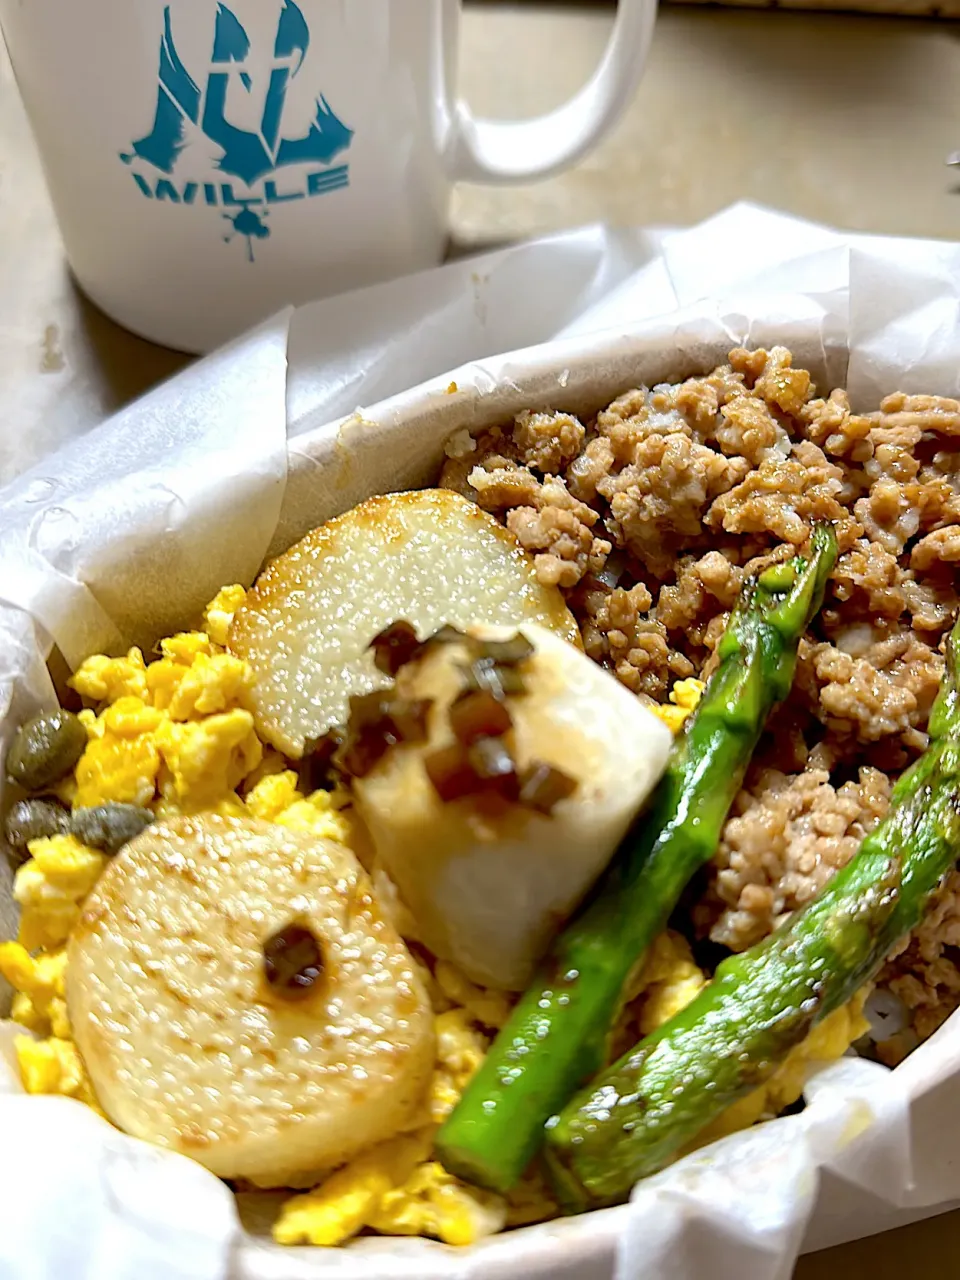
x=181 y=1003
x=430 y=557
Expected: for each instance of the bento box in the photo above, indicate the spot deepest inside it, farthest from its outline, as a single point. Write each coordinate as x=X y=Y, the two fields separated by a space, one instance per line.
x=127 y=535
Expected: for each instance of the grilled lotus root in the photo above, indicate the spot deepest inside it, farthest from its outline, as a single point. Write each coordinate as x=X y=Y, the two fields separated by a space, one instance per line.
x=431 y=557
x=237 y=997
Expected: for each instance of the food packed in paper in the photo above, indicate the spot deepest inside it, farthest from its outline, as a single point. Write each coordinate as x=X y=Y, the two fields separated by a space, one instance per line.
x=323 y=700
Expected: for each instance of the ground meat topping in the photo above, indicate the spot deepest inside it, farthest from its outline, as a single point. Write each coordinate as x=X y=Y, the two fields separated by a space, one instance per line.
x=925 y=973
x=659 y=500
x=785 y=838
x=592 y=466
x=929 y=413
x=940 y=547
x=886 y=692
x=690 y=603
x=547 y=441
x=840 y=433
x=867 y=583
x=650 y=515
x=562 y=544
x=931 y=604
x=545 y=518
x=783 y=496
x=750 y=430
x=776 y=381
x=505 y=485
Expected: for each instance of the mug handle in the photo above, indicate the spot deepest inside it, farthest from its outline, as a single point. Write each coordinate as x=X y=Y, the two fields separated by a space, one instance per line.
x=519 y=151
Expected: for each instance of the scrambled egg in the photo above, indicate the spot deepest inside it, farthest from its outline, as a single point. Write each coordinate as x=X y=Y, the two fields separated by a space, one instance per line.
x=684 y=697
x=176 y=734
x=488 y=1008
x=668 y=982
x=39 y=1004
x=50 y=1062
x=51 y=887
x=218 y=614
x=54 y=1066
x=396 y=1188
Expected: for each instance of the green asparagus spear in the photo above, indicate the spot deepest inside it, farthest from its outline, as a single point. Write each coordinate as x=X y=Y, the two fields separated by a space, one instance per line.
x=557 y=1036
x=639 y=1114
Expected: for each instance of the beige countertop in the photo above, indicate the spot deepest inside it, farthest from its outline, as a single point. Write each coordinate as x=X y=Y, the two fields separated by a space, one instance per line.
x=843 y=119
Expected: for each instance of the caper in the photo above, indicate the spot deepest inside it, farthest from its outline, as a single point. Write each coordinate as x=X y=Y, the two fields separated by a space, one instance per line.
x=292 y=961
x=109 y=826
x=45 y=749
x=32 y=820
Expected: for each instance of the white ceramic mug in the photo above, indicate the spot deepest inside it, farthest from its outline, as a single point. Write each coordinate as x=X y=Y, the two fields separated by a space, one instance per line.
x=213 y=160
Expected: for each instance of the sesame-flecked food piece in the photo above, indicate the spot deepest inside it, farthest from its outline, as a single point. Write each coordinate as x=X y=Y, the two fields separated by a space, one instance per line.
x=429 y=557
x=226 y=1070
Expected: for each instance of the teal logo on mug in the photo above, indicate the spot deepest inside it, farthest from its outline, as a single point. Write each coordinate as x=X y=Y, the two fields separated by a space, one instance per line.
x=253 y=158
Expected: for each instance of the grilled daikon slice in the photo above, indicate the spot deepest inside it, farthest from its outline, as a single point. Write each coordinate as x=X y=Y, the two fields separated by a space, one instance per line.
x=238 y=997
x=491 y=871
x=430 y=556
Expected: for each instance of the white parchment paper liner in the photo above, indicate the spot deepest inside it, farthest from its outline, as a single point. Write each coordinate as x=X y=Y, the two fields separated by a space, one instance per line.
x=123 y=536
